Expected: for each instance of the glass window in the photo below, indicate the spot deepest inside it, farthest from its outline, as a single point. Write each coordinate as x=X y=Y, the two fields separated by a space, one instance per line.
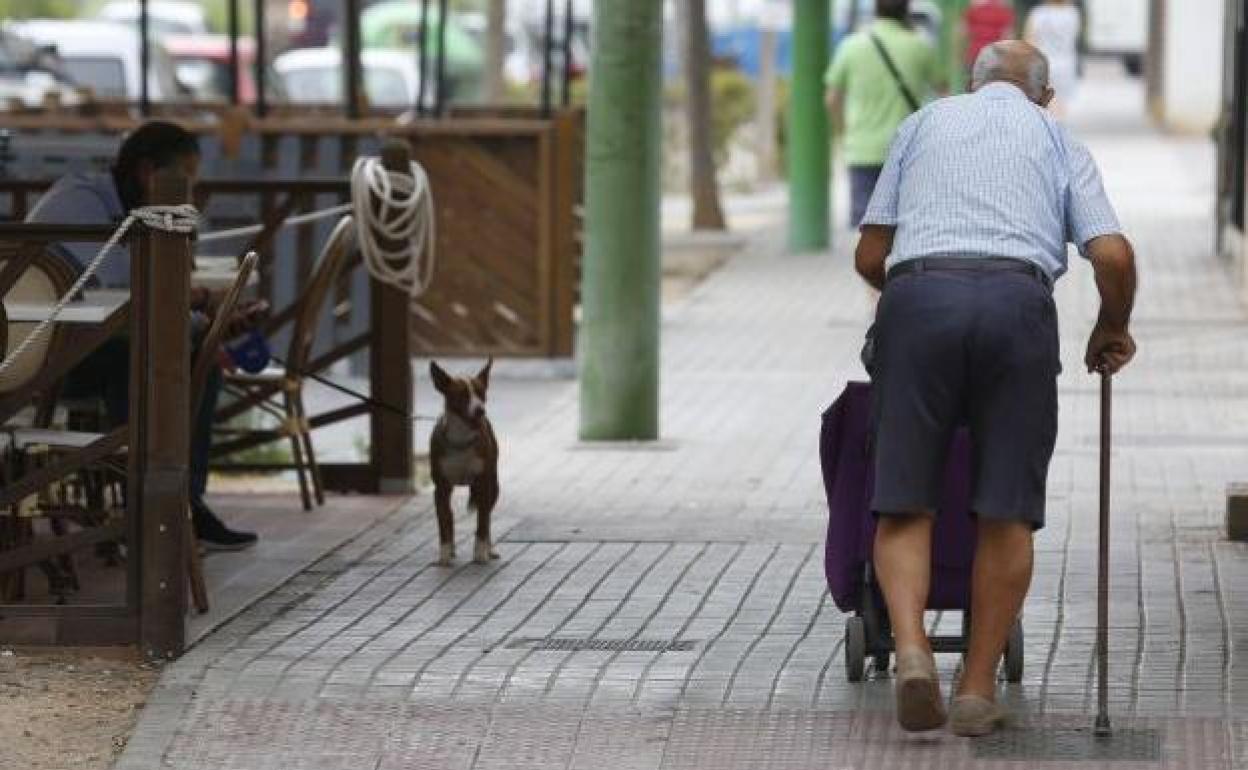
x=104 y=75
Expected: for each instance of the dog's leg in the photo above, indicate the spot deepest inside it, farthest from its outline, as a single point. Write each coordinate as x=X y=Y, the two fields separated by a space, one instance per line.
x=446 y=523
x=483 y=496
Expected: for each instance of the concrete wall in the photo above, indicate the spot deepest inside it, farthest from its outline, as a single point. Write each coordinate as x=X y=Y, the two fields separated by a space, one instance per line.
x=1190 y=95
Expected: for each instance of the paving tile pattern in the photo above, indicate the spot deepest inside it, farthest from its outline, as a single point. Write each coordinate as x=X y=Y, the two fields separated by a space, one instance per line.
x=376 y=658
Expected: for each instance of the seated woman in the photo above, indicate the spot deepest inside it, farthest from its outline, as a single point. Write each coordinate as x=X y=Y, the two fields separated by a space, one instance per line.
x=105 y=198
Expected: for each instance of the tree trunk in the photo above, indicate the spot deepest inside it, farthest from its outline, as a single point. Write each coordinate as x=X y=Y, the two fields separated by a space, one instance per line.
x=765 y=119
x=496 y=52
x=703 y=186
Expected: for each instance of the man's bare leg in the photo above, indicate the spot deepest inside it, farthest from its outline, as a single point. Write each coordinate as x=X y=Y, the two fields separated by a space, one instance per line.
x=903 y=565
x=1003 y=561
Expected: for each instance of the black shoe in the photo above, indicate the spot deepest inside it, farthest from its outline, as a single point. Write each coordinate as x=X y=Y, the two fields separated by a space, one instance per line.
x=212 y=533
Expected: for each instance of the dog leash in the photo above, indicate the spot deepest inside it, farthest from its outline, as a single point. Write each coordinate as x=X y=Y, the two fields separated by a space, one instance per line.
x=363 y=397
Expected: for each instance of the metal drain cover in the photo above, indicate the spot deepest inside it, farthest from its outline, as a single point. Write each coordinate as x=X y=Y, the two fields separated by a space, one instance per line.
x=1070 y=745
x=576 y=644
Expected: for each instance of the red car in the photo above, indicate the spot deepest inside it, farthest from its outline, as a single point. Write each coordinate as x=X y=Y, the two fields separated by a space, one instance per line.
x=203 y=66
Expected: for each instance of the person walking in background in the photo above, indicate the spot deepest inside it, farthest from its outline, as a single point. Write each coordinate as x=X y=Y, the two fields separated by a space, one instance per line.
x=1054 y=28
x=985 y=22
x=878 y=77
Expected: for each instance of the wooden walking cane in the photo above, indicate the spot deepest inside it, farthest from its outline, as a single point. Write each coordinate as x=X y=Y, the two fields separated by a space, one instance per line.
x=1102 y=728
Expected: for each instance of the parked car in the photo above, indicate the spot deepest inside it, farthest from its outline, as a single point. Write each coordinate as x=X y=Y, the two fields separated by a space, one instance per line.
x=315 y=76
x=396 y=24
x=202 y=64
x=104 y=57
x=518 y=47
x=535 y=29
x=165 y=17
x=30 y=74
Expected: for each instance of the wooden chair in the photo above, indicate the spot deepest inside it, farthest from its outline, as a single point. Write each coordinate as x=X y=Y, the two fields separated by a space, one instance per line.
x=39 y=441
x=205 y=359
x=44 y=281
x=278 y=390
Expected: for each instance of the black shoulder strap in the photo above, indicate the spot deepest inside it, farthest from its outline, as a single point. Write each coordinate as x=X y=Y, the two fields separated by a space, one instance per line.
x=892 y=69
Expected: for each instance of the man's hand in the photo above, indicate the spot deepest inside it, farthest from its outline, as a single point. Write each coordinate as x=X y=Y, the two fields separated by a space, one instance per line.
x=1110 y=348
x=835 y=102
x=247 y=316
x=205 y=300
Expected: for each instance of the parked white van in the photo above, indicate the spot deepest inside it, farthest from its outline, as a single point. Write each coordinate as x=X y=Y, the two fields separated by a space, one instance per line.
x=165 y=17
x=104 y=57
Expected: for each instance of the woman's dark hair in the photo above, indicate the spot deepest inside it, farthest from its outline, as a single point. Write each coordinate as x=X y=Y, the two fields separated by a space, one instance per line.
x=893 y=9
x=158 y=142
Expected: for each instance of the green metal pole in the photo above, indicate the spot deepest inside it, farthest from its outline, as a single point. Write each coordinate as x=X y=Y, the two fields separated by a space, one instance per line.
x=952 y=43
x=809 y=156
x=619 y=335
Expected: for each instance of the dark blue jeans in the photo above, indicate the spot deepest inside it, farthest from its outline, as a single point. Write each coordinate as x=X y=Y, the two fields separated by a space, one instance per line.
x=862 y=181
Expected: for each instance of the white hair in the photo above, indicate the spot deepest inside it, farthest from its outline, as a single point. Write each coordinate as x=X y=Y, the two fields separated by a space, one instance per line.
x=991 y=66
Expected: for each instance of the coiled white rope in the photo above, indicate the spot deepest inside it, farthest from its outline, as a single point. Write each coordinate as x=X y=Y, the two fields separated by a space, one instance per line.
x=170 y=219
x=395 y=209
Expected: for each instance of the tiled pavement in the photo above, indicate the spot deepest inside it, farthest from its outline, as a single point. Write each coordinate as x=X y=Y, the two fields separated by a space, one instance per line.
x=375 y=658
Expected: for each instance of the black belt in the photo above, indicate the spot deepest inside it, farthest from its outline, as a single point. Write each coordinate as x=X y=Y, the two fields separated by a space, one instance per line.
x=977 y=264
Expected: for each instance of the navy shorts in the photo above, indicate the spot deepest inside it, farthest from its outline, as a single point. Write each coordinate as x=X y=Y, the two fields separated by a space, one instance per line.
x=974 y=346
x=862 y=181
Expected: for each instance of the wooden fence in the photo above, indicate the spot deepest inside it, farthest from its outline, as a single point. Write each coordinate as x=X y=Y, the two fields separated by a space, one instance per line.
x=508 y=190
x=149 y=605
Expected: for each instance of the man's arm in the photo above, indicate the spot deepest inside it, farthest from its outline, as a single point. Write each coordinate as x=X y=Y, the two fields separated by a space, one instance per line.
x=1111 y=345
x=836 y=110
x=874 y=246
x=1092 y=223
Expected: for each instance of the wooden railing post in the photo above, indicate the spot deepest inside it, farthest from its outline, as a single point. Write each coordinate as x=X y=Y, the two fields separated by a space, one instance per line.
x=160 y=423
x=390 y=367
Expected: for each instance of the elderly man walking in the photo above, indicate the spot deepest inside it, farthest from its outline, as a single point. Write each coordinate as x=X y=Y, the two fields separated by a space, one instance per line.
x=965 y=235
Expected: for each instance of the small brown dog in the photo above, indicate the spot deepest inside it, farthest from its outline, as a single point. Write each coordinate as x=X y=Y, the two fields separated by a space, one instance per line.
x=463 y=452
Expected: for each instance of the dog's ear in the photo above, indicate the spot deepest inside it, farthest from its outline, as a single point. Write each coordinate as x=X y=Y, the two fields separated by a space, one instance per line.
x=441 y=380
x=483 y=376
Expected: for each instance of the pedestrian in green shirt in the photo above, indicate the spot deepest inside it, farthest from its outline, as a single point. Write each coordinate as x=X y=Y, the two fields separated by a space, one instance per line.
x=878 y=76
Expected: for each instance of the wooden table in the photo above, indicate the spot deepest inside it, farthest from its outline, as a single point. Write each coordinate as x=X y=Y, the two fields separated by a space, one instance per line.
x=218 y=273
x=96 y=307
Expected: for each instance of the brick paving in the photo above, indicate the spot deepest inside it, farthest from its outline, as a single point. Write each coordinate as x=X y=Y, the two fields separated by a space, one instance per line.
x=376 y=658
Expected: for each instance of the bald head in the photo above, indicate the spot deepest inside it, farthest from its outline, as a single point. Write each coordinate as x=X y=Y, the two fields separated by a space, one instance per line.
x=1013 y=61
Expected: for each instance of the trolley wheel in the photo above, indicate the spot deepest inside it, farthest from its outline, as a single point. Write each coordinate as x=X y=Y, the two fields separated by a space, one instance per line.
x=1014 y=654
x=855 y=649
x=882 y=662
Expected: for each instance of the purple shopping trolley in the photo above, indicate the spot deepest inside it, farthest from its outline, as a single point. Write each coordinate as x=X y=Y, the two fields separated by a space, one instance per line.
x=848 y=477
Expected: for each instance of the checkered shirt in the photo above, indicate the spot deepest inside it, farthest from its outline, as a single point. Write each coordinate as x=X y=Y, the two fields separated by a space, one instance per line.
x=989 y=174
